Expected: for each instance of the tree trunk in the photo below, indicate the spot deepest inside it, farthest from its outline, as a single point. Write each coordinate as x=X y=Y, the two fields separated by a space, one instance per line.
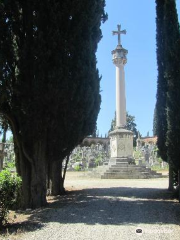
x=33 y=176
x=33 y=185
x=179 y=185
x=4 y=134
x=48 y=179
x=31 y=159
x=1 y=163
x=2 y=151
x=17 y=159
x=38 y=185
x=171 y=187
x=1 y=157
x=65 y=169
x=38 y=175
x=26 y=183
x=57 y=186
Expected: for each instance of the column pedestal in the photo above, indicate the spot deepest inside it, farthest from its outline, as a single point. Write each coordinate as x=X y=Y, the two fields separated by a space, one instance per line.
x=121 y=146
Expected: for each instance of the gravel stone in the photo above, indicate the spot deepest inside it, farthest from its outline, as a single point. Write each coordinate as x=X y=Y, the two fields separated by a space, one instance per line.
x=96 y=209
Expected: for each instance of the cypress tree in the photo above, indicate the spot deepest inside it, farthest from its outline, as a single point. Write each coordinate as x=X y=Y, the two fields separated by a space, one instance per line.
x=172 y=74
x=49 y=83
x=81 y=81
x=155 y=122
x=161 y=81
x=161 y=103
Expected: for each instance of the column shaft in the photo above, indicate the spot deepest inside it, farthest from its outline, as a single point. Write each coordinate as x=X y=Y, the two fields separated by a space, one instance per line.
x=120 y=96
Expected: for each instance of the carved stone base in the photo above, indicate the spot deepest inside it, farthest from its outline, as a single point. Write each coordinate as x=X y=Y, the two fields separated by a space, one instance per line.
x=121 y=143
x=121 y=161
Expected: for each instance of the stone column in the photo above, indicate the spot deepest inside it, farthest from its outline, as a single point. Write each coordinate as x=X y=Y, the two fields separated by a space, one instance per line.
x=121 y=139
x=120 y=97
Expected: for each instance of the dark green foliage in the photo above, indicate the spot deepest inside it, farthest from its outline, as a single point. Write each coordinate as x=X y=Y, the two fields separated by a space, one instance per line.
x=49 y=83
x=161 y=117
x=95 y=132
x=155 y=122
x=113 y=123
x=172 y=75
x=131 y=125
x=10 y=185
x=168 y=88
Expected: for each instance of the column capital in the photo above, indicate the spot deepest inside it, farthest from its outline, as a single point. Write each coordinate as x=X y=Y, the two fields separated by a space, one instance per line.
x=119 y=62
x=119 y=56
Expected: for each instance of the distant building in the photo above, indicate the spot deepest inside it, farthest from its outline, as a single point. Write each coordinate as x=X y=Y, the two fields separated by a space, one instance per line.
x=88 y=141
x=144 y=141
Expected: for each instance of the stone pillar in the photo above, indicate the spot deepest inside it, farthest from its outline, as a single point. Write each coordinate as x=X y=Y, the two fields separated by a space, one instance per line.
x=121 y=139
x=119 y=60
x=120 y=96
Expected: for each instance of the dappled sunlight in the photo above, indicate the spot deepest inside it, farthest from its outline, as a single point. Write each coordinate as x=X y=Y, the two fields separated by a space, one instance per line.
x=114 y=206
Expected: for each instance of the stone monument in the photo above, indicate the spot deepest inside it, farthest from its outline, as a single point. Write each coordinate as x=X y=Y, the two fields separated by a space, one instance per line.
x=121 y=163
x=121 y=139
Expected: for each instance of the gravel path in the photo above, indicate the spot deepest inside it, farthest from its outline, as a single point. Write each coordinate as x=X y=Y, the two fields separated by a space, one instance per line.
x=104 y=209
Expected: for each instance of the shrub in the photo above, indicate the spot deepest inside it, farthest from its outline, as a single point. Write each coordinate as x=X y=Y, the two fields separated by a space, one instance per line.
x=10 y=165
x=77 y=168
x=10 y=185
x=98 y=160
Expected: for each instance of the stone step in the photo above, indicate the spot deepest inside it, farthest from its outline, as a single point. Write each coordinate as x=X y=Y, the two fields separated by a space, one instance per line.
x=120 y=163
x=128 y=176
x=125 y=165
x=121 y=169
x=131 y=173
x=131 y=170
x=154 y=172
x=124 y=170
x=123 y=176
x=127 y=168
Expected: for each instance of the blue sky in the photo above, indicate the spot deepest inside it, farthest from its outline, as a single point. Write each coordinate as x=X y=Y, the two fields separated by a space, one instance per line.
x=138 y=18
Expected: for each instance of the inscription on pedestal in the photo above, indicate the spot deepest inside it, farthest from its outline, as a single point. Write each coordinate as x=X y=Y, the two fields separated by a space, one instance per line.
x=121 y=144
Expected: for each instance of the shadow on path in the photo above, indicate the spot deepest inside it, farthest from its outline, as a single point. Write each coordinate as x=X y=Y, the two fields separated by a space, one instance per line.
x=106 y=206
x=117 y=206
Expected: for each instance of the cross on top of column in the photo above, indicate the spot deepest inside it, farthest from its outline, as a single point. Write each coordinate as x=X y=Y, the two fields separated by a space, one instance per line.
x=119 y=32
